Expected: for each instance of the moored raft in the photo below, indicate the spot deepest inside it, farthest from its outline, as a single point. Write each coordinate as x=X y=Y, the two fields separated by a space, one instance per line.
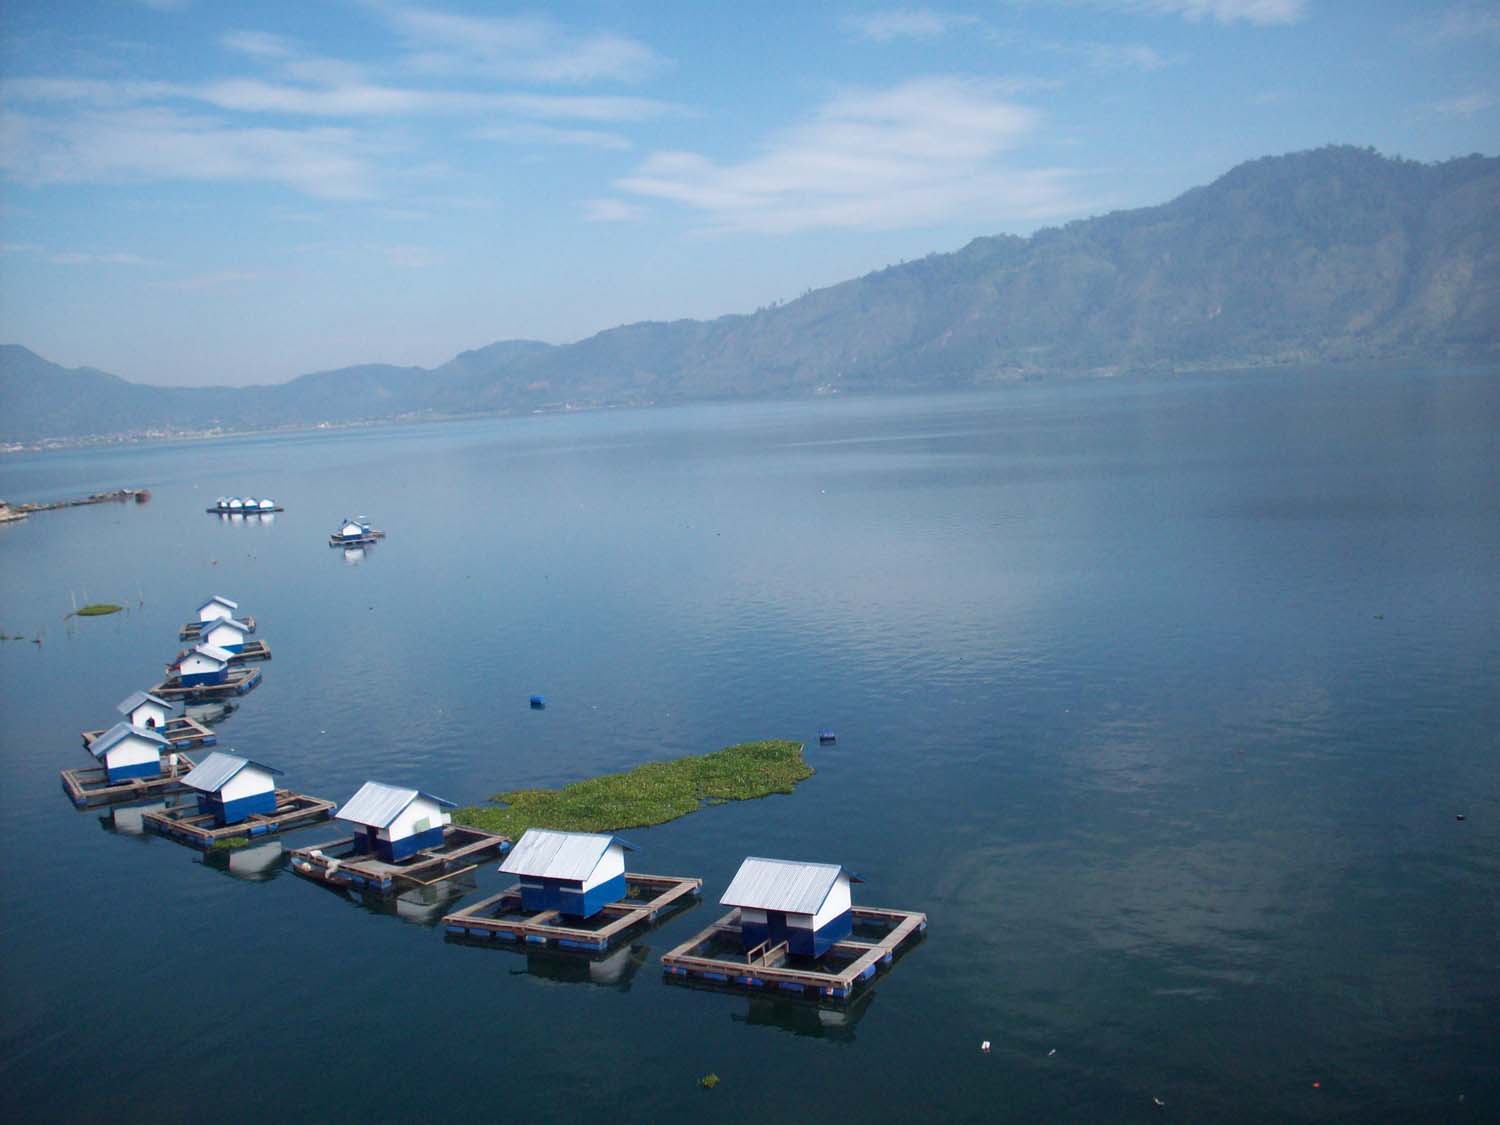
x=235 y=797
x=237 y=681
x=574 y=893
x=243 y=506
x=91 y=785
x=354 y=533
x=793 y=928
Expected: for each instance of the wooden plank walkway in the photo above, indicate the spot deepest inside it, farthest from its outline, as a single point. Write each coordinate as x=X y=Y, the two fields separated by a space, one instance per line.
x=858 y=959
x=194 y=629
x=90 y=785
x=183 y=733
x=337 y=862
x=187 y=824
x=484 y=919
x=239 y=681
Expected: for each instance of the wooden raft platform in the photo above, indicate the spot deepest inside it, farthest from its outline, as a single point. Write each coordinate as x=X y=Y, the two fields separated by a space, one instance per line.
x=194 y=629
x=187 y=824
x=858 y=959
x=90 y=785
x=337 y=862
x=183 y=733
x=215 y=510
x=240 y=681
x=487 y=919
x=358 y=541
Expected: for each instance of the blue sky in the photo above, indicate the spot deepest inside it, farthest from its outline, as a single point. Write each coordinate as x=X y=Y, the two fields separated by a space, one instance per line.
x=196 y=192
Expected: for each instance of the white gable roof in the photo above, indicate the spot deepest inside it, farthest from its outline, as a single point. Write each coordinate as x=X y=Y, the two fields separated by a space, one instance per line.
x=549 y=854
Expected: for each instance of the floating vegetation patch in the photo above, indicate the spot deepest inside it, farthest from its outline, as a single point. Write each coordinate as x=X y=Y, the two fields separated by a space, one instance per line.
x=651 y=794
x=97 y=609
x=709 y=1081
x=229 y=842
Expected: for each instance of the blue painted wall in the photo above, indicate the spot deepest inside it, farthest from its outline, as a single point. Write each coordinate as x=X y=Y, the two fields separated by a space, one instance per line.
x=205 y=678
x=804 y=942
x=232 y=812
x=393 y=851
x=140 y=769
x=567 y=896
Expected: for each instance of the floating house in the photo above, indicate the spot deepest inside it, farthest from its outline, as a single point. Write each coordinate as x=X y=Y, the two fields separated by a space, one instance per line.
x=396 y=822
x=351 y=531
x=144 y=710
x=575 y=873
x=806 y=905
x=227 y=633
x=128 y=752
x=230 y=787
x=206 y=664
x=217 y=608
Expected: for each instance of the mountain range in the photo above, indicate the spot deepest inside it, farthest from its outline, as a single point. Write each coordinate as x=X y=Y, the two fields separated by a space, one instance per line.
x=1333 y=255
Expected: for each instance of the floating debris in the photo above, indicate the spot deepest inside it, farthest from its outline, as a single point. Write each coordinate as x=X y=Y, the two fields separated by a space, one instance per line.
x=709 y=1081
x=826 y=737
x=985 y=1046
x=538 y=703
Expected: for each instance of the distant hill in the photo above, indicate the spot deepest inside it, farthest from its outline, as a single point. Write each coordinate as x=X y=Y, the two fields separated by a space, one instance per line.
x=1336 y=254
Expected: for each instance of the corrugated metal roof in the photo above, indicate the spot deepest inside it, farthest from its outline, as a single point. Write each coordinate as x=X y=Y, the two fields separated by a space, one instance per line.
x=377 y=805
x=120 y=731
x=214 y=652
x=221 y=600
x=216 y=771
x=546 y=853
x=136 y=698
x=780 y=884
x=232 y=622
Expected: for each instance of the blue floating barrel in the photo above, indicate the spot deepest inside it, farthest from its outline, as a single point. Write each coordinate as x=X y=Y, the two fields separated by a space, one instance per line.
x=538 y=703
x=826 y=737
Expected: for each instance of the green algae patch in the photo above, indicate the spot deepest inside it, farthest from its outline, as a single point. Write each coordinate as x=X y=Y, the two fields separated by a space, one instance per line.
x=651 y=794
x=229 y=842
x=98 y=609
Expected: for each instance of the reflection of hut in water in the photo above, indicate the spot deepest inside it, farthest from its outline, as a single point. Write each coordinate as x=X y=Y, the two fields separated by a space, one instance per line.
x=614 y=970
x=127 y=820
x=805 y=1017
x=257 y=864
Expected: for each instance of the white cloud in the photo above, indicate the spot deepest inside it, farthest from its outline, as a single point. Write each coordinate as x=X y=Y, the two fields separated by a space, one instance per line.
x=79 y=258
x=918 y=153
x=152 y=143
x=259 y=44
x=1468 y=105
x=612 y=211
x=530 y=48
x=1122 y=56
x=1262 y=12
x=904 y=23
x=532 y=133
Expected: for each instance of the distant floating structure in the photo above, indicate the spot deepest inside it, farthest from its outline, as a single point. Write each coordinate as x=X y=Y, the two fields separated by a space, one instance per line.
x=354 y=532
x=236 y=797
x=216 y=608
x=400 y=834
x=244 y=506
x=826 y=737
x=792 y=928
x=574 y=892
x=538 y=703
x=150 y=712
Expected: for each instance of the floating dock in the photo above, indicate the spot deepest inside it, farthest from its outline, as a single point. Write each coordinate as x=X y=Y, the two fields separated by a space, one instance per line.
x=336 y=540
x=187 y=824
x=339 y=863
x=194 y=629
x=90 y=785
x=243 y=511
x=253 y=650
x=182 y=732
x=239 y=681
x=769 y=967
x=501 y=916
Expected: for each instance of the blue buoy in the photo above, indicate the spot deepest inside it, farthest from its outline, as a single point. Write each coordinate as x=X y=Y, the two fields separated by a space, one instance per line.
x=826 y=737
x=537 y=703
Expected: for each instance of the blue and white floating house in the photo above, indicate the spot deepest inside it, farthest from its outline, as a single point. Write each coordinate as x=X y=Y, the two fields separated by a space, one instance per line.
x=127 y=752
x=351 y=531
x=217 y=608
x=232 y=788
x=396 y=823
x=144 y=710
x=206 y=664
x=574 y=873
x=227 y=633
x=806 y=905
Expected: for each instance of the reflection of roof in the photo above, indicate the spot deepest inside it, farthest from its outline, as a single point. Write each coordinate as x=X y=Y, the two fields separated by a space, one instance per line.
x=118 y=733
x=377 y=805
x=135 y=699
x=549 y=854
x=779 y=884
x=216 y=771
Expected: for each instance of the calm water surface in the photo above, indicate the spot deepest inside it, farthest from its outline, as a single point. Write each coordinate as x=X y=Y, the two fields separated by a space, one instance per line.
x=1161 y=699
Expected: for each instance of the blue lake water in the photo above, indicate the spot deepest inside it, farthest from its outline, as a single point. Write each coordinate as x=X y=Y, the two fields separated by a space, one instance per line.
x=1162 y=699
